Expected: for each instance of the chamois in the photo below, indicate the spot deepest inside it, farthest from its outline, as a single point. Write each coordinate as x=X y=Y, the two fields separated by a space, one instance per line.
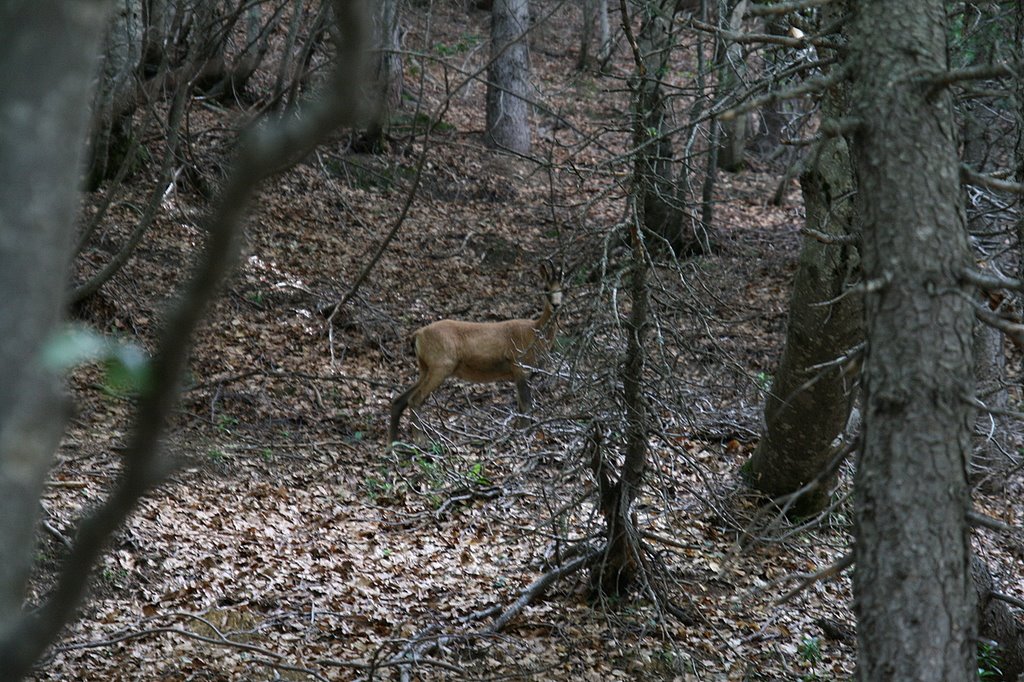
x=483 y=352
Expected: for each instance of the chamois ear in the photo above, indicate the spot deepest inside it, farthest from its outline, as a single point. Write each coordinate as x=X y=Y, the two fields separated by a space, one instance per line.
x=546 y=271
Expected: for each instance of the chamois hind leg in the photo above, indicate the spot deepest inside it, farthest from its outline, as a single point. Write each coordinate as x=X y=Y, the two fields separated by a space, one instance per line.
x=524 y=399
x=397 y=408
x=414 y=398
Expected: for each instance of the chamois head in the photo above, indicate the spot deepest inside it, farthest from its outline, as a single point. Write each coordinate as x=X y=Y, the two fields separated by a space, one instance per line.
x=482 y=351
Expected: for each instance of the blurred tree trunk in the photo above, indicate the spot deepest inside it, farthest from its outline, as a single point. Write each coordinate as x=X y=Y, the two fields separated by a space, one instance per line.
x=913 y=594
x=508 y=78
x=731 y=73
x=594 y=12
x=604 y=35
x=48 y=56
x=48 y=53
x=588 y=12
x=117 y=97
x=812 y=393
x=388 y=78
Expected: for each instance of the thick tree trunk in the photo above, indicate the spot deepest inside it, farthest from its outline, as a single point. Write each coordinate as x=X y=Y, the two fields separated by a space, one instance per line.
x=388 y=78
x=387 y=39
x=812 y=393
x=508 y=78
x=913 y=594
x=48 y=54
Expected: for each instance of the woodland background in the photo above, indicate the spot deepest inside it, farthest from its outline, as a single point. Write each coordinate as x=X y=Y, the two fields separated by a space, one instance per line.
x=692 y=168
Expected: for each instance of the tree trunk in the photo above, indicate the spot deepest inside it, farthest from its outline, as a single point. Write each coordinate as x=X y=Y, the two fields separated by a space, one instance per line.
x=388 y=79
x=387 y=39
x=617 y=569
x=588 y=13
x=604 y=35
x=998 y=624
x=991 y=443
x=657 y=197
x=913 y=595
x=508 y=78
x=1018 y=53
x=594 y=12
x=811 y=396
x=118 y=92
x=731 y=71
x=47 y=55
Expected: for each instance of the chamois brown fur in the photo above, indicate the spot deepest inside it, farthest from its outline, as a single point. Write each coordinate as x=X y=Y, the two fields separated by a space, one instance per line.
x=483 y=352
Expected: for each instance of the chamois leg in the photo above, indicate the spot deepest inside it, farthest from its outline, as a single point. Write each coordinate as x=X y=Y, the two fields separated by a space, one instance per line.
x=414 y=398
x=397 y=408
x=524 y=399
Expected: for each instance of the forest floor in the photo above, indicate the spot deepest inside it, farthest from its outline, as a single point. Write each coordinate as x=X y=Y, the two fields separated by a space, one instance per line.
x=290 y=543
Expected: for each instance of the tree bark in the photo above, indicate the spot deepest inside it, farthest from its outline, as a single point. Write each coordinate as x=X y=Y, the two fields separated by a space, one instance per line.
x=388 y=79
x=118 y=92
x=508 y=78
x=731 y=69
x=813 y=392
x=616 y=570
x=913 y=595
x=48 y=54
x=997 y=623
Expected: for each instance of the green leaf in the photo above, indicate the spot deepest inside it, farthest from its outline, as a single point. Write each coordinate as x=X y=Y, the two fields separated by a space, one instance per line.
x=72 y=347
x=127 y=365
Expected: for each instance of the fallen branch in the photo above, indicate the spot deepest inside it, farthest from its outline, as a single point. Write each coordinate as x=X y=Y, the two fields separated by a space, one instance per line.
x=421 y=646
x=978 y=519
x=808 y=579
x=969 y=176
